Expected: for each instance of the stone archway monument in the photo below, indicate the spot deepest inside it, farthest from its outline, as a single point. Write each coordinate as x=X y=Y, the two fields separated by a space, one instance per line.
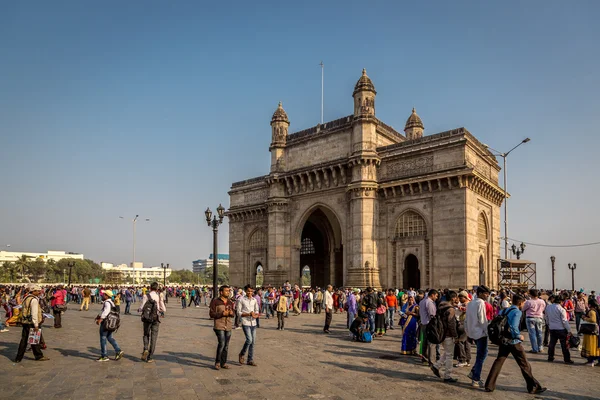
x=353 y=198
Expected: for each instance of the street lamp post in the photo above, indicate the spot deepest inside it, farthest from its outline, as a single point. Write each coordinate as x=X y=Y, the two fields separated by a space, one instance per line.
x=572 y=268
x=504 y=156
x=133 y=263
x=553 y=260
x=71 y=265
x=214 y=224
x=165 y=267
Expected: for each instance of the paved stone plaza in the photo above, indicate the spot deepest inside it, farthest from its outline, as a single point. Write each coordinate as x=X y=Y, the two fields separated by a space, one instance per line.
x=300 y=362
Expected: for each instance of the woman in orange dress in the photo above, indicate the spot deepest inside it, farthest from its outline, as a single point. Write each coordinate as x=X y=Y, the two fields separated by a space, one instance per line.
x=16 y=311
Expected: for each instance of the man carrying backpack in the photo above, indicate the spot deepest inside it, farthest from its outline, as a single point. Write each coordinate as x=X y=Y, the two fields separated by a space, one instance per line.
x=449 y=338
x=31 y=318
x=511 y=344
x=151 y=309
x=107 y=307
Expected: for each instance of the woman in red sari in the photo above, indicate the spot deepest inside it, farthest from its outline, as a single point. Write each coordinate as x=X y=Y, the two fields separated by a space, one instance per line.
x=335 y=301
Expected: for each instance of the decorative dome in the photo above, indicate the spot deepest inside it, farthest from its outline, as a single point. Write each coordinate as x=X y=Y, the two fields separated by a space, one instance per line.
x=414 y=121
x=280 y=115
x=364 y=83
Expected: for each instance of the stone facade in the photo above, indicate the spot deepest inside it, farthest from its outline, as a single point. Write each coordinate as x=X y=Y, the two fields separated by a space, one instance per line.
x=362 y=205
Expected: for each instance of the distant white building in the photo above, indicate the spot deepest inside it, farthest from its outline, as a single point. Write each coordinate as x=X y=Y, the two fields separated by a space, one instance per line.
x=139 y=273
x=12 y=256
x=199 y=266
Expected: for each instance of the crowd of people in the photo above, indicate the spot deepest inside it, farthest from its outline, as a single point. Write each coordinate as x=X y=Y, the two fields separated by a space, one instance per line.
x=439 y=326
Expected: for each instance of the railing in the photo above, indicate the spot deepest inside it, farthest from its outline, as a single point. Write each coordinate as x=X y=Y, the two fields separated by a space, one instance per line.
x=249 y=181
x=328 y=126
x=425 y=139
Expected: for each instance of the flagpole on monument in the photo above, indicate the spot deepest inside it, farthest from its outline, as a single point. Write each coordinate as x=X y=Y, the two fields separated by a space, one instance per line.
x=322 y=80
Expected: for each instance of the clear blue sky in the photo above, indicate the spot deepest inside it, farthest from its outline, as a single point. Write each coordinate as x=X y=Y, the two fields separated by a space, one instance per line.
x=154 y=108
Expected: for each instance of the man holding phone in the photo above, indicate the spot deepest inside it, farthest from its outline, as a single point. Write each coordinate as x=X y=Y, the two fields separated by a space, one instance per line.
x=248 y=312
x=221 y=311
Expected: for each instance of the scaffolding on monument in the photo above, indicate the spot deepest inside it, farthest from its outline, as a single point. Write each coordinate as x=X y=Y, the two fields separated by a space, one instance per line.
x=516 y=274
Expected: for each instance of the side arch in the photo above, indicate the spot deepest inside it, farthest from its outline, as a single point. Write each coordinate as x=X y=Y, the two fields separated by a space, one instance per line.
x=410 y=238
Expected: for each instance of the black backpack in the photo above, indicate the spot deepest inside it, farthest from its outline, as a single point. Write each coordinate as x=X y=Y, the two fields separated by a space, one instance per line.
x=498 y=329
x=150 y=310
x=112 y=320
x=436 y=328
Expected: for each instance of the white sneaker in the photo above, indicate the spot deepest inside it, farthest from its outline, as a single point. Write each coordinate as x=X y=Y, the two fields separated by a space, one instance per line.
x=4 y=330
x=478 y=384
x=461 y=364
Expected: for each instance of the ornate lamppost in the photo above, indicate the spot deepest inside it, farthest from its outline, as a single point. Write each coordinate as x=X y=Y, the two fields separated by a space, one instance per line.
x=214 y=224
x=517 y=251
x=553 y=259
x=572 y=268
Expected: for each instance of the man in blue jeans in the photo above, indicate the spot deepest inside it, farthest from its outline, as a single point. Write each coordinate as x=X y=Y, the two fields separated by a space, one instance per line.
x=104 y=334
x=370 y=303
x=534 y=316
x=476 y=325
x=247 y=310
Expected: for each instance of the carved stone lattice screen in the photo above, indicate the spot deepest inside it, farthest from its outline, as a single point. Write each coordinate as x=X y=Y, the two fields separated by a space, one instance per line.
x=410 y=224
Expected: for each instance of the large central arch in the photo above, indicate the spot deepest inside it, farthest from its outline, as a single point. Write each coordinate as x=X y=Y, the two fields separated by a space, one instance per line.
x=321 y=248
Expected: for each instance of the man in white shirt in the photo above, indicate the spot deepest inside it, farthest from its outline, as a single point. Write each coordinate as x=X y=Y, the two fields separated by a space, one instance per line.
x=247 y=310
x=151 y=322
x=476 y=324
x=556 y=316
x=328 y=308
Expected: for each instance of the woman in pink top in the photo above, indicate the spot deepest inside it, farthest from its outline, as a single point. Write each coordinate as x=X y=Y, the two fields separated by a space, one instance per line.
x=58 y=302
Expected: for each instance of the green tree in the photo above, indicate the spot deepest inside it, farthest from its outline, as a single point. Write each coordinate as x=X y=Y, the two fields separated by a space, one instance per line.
x=22 y=265
x=9 y=271
x=37 y=270
x=52 y=271
x=222 y=277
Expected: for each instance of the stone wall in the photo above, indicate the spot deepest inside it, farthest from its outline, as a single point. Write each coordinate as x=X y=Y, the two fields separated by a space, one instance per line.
x=449 y=239
x=316 y=150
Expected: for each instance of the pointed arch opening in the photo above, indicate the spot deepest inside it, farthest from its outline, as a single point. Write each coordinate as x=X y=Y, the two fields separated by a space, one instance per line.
x=321 y=249
x=412 y=273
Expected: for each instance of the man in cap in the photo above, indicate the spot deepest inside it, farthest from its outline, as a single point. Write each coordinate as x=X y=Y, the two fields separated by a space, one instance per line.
x=105 y=335
x=31 y=318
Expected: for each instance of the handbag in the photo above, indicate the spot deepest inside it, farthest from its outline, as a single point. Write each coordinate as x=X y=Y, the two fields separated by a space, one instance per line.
x=573 y=341
x=60 y=307
x=588 y=328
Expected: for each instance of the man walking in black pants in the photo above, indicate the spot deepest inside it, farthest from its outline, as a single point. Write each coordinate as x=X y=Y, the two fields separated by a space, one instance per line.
x=556 y=316
x=328 y=308
x=151 y=309
x=31 y=319
x=513 y=346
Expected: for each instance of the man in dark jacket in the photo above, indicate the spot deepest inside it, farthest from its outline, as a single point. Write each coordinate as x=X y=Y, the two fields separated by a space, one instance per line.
x=446 y=311
x=370 y=304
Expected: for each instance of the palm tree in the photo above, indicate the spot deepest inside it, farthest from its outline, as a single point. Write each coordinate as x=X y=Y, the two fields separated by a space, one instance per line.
x=23 y=263
x=8 y=271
